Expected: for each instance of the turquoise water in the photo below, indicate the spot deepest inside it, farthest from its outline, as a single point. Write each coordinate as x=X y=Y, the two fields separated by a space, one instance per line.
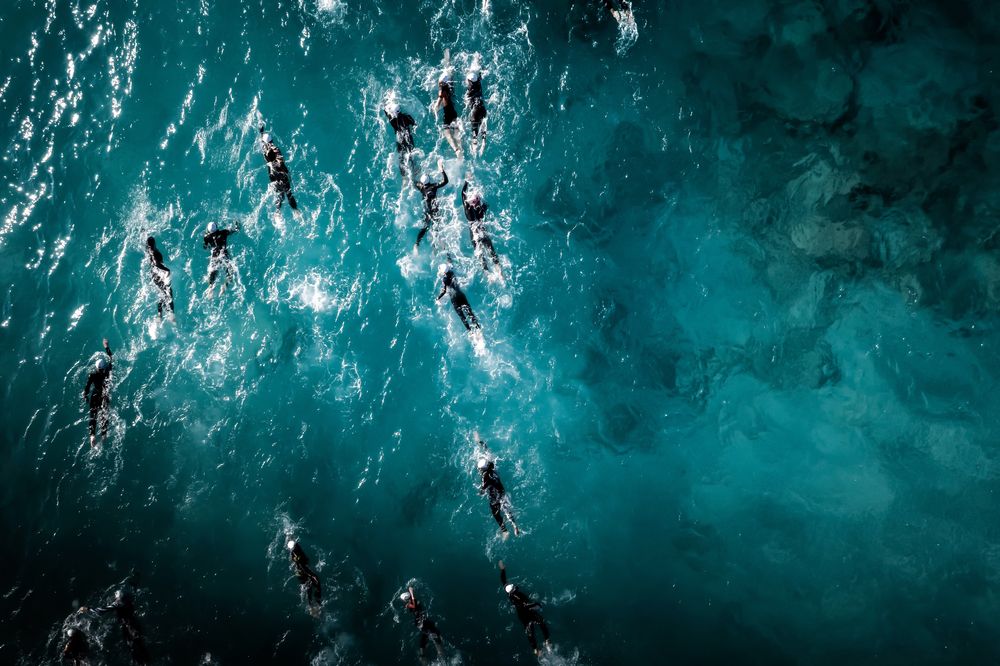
x=740 y=379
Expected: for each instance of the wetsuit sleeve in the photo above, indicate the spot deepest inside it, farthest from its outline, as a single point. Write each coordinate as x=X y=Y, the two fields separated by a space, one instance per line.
x=90 y=382
x=444 y=290
x=107 y=349
x=503 y=577
x=445 y=181
x=204 y=242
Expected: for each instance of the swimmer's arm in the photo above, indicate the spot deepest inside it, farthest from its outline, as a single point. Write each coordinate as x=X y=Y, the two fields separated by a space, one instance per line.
x=444 y=290
x=444 y=174
x=503 y=574
x=412 y=603
x=107 y=347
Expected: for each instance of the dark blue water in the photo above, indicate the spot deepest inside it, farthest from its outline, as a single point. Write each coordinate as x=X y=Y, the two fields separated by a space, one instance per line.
x=740 y=379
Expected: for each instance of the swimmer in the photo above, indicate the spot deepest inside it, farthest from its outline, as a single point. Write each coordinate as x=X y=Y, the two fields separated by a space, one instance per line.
x=620 y=9
x=527 y=612
x=76 y=648
x=402 y=124
x=100 y=397
x=493 y=488
x=476 y=106
x=475 y=212
x=161 y=278
x=429 y=192
x=451 y=287
x=277 y=171
x=307 y=577
x=428 y=630
x=218 y=240
x=449 y=119
x=124 y=609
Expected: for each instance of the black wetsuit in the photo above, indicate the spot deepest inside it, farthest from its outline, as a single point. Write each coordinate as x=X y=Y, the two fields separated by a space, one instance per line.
x=307 y=577
x=277 y=171
x=124 y=610
x=527 y=612
x=161 y=277
x=477 y=108
x=428 y=630
x=458 y=300
x=494 y=491
x=100 y=397
x=481 y=243
x=403 y=124
x=218 y=240
x=76 y=649
x=429 y=192
x=446 y=95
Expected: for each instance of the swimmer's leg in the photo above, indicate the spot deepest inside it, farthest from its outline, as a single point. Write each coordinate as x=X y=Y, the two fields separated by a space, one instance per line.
x=497 y=515
x=423 y=232
x=93 y=425
x=291 y=201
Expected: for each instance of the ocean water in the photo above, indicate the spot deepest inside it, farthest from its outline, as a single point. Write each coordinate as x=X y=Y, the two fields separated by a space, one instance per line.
x=740 y=380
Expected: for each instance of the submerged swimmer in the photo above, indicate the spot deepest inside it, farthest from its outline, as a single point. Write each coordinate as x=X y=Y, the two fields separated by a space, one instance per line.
x=218 y=240
x=449 y=119
x=124 y=609
x=277 y=171
x=475 y=212
x=161 y=278
x=402 y=124
x=307 y=577
x=528 y=612
x=76 y=648
x=428 y=630
x=429 y=192
x=100 y=397
x=620 y=9
x=493 y=488
x=476 y=106
x=451 y=287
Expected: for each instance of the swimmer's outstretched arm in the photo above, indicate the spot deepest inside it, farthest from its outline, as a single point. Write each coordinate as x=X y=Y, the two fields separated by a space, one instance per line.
x=503 y=573
x=412 y=603
x=444 y=290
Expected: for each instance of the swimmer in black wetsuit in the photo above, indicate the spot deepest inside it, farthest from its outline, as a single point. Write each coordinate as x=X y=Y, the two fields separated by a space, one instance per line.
x=458 y=300
x=428 y=630
x=475 y=212
x=449 y=119
x=277 y=171
x=307 y=577
x=100 y=397
x=218 y=239
x=124 y=609
x=477 y=108
x=402 y=124
x=429 y=192
x=161 y=278
x=527 y=612
x=493 y=488
x=76 y=648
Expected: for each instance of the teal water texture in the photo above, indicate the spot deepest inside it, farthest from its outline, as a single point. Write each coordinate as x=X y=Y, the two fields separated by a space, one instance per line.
x=741 y=379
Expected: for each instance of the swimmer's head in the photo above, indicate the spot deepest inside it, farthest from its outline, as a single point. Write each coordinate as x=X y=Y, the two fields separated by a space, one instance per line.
x=151 y=242
x=424 y=179
x=119 y=595
x=473 y=74
x=405 y=597
x=291 y=544
x=509 y=588
x=265 y=137
x=70 y=632
x=212 y=227
x=102 y=363
x=392 y=108
x=445 y=76
x=482 y=464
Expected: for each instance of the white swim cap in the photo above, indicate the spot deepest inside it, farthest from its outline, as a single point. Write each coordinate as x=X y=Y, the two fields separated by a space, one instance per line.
x=405 y=597
x=473 y=73
x=119 y=594
x=445 y=75
x=70 y=632
x=392 y=108
x=212 y=227
x=265 y=137
x=102 y=363
x=508 y=588
x=291 y=544
x=483 y=463
x=424 y=179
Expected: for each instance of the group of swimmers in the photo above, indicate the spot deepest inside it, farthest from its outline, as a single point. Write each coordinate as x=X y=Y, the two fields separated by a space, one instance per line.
x=215 y=240
x=473 y=204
